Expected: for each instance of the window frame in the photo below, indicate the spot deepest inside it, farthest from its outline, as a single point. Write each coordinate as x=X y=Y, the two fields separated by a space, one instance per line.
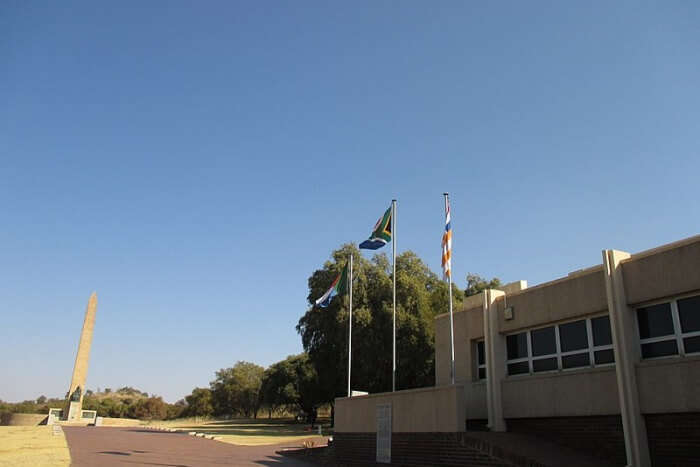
x=678 y=335
x=590 y=350
x=591 y=344
x=480 y=366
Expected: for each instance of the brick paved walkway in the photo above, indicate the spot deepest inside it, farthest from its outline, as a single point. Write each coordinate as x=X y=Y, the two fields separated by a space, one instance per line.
x=112 y=446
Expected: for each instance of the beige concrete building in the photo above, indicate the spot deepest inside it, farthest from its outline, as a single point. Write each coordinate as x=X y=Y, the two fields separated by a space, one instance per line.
x=605 y=360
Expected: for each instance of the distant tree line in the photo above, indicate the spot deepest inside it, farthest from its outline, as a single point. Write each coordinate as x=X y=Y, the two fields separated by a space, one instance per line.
x=134 y=406
x=41 y=405
x=286 y=387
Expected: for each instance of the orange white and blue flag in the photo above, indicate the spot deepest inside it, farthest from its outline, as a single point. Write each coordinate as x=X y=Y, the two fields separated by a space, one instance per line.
x=447 y=243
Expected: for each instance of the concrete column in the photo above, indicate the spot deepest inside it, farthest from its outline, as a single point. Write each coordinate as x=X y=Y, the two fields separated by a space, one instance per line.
x=495 y=350
x=627 y=355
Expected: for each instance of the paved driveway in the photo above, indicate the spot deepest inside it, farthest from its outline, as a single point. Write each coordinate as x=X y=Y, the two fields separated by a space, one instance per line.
x=112 y=446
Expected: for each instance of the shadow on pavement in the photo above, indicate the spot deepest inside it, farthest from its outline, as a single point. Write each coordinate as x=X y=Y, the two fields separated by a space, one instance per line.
x=278 y=460
x=138 y=430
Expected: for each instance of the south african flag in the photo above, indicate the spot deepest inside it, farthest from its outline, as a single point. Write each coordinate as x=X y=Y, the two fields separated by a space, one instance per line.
x=338 y=287
x=381 y=234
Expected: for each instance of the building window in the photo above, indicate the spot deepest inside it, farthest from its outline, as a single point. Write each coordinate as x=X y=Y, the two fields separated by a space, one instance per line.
x=517 y=346
x=480 y=360
x=543 y=343
x=577 y=344
x=601 y=342
x=671 y=328
x=573 y=338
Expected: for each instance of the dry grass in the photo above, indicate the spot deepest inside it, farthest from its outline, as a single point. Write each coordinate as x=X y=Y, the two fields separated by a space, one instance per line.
x=32 y=446
x=248 y=432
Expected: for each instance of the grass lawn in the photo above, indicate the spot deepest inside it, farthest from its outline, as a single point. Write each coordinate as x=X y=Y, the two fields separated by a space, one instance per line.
x=29 y=446
x=247 y=432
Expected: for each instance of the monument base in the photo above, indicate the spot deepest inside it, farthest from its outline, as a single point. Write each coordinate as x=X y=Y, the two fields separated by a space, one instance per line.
x=74 y=412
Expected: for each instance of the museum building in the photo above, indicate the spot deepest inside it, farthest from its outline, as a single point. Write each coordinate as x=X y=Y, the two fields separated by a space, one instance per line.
x=605 y=361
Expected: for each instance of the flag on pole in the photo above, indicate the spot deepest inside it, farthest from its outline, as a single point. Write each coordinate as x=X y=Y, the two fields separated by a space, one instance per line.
x=338 y=287
x=447 y=273
x=447 y=243
x=381 y=234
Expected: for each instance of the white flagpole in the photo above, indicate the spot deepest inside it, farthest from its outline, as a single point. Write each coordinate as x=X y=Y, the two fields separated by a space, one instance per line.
x=393 y=262
x=452 y=327
x=350 y=328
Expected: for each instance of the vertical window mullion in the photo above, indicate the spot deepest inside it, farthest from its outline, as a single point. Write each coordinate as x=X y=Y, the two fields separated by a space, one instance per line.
x=589 y=331
x=558 y=346
x=677 y=328
x=529 y=351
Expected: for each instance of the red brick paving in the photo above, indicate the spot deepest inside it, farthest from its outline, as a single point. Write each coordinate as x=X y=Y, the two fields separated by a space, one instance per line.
x=112 y=446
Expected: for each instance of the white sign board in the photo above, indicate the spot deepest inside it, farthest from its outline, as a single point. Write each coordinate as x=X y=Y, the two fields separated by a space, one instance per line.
x=384 y=433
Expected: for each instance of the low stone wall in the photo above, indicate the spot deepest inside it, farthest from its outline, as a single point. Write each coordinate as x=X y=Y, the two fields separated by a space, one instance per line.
x=437 y=409
x=109 y=421
x=600 y=436
x=32 y=419
x=22 y=419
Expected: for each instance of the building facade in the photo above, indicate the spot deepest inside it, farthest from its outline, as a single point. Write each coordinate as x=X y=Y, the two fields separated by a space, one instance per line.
x=606 y=359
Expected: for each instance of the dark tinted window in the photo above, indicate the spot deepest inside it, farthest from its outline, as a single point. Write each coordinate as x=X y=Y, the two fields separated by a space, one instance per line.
x=543 y=341
x=546 y=364
x=517 y=346
x=604 y=356
x=518 y=368
x=573 y=336
x=601 y=330
x=480 y=352
x=655 y=321
x=573 y=361
x=482 y=373
x=689 y=312
x=659 y=349
x=691 y=344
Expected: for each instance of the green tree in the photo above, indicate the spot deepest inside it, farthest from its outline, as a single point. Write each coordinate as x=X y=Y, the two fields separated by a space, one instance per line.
x=199 y=403
x=176 y=410
x=324 y=330
x=236 y=391
x=151 y=408
x=307 y=392
x=292 y=383
x=276 y=391
x=477 y=284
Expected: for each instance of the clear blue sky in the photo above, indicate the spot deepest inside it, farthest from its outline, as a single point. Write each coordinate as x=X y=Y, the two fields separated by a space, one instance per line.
x=194 y=162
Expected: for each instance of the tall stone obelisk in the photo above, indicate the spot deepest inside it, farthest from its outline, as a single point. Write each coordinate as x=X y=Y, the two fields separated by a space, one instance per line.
x=76 y=391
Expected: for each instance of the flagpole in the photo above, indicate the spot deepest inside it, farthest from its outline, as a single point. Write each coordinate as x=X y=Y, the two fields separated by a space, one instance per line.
x=452 y=333
x=393 y=262
x=350 y=328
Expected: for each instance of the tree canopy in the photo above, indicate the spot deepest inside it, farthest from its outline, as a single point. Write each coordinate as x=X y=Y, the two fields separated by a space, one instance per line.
x=292 y=384
x=477 y=284
x=236 y=390
x=420 y=296
x=199 y=403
